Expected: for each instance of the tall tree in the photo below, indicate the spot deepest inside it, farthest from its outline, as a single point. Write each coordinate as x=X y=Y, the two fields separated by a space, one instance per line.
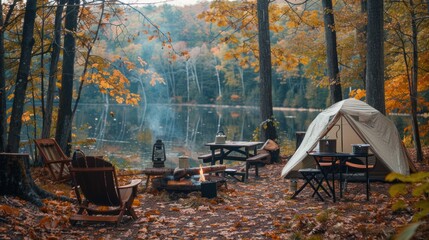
x=361 y=31
x=27 y=43
x=413 y=82
x=266 y=102
x=331 y=52
x=2 y=85
x=3 y=99
x=64 y=121
x=375 y=56
x=53 y=71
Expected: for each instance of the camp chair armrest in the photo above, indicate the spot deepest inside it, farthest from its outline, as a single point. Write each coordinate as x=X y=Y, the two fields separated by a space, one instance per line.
x=132 y=184
x=68 y=160
x=360 y=166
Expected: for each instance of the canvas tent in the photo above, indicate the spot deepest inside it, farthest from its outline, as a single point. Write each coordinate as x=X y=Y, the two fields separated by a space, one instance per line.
x=353 y=122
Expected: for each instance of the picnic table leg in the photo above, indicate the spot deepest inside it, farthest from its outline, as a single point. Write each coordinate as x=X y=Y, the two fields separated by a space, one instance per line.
x=333 y=186
x=213 y=161
x=147 y=181
x=367 y=179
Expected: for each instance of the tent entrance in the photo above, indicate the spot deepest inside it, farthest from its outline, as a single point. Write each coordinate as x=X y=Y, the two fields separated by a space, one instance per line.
x=342 y=131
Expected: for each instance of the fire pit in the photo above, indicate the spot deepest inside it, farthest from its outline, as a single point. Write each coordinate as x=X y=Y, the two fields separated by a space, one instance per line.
x=187 y=180
x=185 y=184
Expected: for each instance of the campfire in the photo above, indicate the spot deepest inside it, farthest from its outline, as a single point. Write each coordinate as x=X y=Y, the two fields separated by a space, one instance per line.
x=202 y=178
x=190 y=179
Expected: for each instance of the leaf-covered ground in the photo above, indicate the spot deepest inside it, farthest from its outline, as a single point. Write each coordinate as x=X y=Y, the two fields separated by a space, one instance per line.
x=258 y=209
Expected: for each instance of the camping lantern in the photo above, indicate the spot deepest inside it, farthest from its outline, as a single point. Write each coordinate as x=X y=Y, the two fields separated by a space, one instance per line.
x=158 y=154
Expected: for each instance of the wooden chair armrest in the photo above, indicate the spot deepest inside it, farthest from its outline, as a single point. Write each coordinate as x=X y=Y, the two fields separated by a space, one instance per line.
x=132 y=184
x=68 y=160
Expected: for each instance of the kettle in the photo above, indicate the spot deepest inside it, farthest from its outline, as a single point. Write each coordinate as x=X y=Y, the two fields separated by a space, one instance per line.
x=220 y=137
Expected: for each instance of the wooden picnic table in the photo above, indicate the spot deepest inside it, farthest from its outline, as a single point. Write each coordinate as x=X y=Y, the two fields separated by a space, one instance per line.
x=233 y=150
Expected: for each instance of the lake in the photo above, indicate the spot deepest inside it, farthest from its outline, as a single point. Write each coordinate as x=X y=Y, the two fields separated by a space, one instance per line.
x=125 y=134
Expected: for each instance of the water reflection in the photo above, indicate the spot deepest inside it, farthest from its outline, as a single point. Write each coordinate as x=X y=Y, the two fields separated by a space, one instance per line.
x=126 y=134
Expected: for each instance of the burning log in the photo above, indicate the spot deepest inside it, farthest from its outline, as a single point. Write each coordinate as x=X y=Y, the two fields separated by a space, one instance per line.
x=148 y=171
x=183 y=172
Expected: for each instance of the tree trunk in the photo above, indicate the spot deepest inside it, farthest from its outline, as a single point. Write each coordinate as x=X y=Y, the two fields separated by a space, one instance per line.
x=187 y=81
x=266 y=102
x=15 y=175
x=173 y=81
x=53 y=68
x=22 y=77
x=88 y=55
x=16 y=180
x=195 y=74
x=2 y=85
x=217 y=77
x=413 y=85
x=375 y=56
x=64 y=122
x=331 y=52
x=241 y=73
x=3 y=97
x=361 y=31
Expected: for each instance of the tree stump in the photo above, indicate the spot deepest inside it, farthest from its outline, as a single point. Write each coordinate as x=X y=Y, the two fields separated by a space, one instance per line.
x=15 y=178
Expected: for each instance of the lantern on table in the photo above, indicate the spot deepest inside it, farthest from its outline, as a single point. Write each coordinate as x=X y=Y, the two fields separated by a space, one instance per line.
x=158 y=154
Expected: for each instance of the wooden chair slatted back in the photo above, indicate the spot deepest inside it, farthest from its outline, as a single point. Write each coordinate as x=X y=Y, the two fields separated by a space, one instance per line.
x=96 y=179
x=51 y=152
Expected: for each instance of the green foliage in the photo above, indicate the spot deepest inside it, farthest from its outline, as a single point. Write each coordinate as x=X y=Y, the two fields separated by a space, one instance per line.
x=416 y=187
x=264 y=125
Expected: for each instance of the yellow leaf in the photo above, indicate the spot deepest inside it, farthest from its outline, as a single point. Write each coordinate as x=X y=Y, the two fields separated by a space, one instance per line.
x=26 y=116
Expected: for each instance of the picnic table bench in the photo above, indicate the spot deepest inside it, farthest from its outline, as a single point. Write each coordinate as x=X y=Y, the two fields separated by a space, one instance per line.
x=259 y=159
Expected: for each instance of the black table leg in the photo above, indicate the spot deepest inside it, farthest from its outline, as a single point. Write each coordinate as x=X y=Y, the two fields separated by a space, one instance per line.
x=213 y=161
x=367 y=179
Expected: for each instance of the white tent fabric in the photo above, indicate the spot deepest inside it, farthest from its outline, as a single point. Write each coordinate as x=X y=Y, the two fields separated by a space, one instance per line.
x=353 y=122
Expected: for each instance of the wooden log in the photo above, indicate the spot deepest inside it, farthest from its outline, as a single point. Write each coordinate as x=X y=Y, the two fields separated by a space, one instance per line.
x=157 y=171
x=183 y=172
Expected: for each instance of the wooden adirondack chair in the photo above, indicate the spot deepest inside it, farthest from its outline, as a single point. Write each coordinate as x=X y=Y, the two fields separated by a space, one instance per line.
x=54 y=159
x=99 y=196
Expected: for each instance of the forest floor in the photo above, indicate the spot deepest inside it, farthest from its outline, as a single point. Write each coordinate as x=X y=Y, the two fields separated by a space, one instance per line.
x=258 y=209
